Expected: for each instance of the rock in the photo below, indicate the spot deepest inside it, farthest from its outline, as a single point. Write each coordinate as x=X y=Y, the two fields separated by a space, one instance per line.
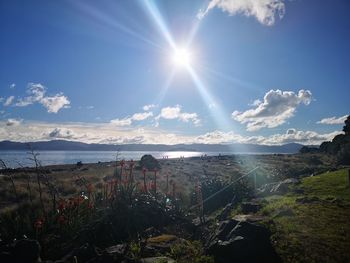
x=252 y=218
x=160 y=244
x=113 y=254
x=26 y=250
x=241 y=241
x=151 y=232
x=84 y=253
x=157 y=260
x=119 y=249
x=250 y=207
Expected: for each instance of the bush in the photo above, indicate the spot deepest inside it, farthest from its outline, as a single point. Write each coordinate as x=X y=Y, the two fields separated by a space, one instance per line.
x=343 y=155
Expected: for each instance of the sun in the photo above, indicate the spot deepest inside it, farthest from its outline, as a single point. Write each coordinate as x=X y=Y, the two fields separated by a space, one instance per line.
x=182 y=57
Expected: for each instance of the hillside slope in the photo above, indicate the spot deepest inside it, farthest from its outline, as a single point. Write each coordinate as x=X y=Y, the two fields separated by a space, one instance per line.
x=311 y=223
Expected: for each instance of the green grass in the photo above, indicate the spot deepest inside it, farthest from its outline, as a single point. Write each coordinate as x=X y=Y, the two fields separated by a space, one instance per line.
x=317 y=231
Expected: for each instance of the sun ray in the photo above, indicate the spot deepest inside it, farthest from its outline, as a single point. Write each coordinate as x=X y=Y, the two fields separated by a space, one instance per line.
x=158 y=19
x=164 y=89
x=111 y=22
x=231 y=78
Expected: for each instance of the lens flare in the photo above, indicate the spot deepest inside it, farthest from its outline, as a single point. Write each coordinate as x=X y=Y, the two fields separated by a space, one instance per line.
x=182 y=57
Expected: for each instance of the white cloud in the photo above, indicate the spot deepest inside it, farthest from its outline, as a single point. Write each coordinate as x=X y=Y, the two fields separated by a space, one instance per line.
x=62 y=133
x=55 y=103
x=171 y=113
x=13 y=122
x=333 y=120
x=141 y=116
x=265 y=11
x=12 y=86
x=149 y=107
x=129 y=120
x=9 y=101
x=276 y=108
x=122 y=122
x=303 y=137
x=1 y=99
x=256 y=102
x=37 y=93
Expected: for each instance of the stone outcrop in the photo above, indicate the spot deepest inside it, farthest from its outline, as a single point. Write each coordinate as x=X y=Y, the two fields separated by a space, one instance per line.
x=241 y=241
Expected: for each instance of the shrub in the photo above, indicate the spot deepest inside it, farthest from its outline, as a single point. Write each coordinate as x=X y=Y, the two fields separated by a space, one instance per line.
x=149 y=162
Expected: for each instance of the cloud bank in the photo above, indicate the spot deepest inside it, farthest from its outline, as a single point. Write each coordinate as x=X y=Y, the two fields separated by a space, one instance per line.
x=265 y=11
x=276 y=107
x=111 y=134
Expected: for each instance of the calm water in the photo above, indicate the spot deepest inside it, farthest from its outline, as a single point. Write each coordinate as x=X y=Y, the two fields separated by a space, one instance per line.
x=14 y=159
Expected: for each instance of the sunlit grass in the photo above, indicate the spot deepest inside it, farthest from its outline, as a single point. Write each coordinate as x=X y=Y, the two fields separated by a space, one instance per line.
x=316 y=231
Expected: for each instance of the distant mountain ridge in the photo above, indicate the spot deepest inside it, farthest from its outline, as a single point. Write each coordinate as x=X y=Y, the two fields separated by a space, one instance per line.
x=62 y=145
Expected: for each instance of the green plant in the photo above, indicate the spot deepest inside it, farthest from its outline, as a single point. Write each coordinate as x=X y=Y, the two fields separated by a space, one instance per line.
x=135 y=250
x=189 y=251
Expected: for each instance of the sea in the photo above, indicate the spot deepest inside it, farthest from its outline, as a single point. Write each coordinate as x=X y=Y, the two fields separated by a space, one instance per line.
x=15 y=159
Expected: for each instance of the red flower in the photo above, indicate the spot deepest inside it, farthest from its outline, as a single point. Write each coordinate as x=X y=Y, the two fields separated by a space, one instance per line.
x=90 y=188
x=39 y=223
x=61 y=205
x=61 y=219
x=151 y=185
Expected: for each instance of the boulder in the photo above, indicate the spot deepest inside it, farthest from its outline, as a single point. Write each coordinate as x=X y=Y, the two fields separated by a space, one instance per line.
x=84 y=253
x=160 y=244
x=241 y=241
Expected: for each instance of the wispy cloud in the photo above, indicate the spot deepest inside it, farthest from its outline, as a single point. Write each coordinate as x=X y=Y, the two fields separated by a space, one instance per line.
x=149 y=107
x=265 y=11
x=37 y=94
x=129 y=120
x=333 y=120
x=274 y=110
x=9 y=101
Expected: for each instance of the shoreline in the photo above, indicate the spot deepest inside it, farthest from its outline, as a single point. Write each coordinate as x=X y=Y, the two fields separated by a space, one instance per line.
x=13 y=163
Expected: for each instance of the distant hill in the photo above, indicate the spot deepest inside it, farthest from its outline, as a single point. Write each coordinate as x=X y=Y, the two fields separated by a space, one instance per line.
x=62 y=145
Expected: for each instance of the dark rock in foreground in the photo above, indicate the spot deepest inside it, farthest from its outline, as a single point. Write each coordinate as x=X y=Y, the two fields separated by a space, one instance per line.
x=241 y=241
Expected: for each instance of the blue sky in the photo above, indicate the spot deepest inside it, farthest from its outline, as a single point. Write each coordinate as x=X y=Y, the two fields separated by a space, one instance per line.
x=260 y=71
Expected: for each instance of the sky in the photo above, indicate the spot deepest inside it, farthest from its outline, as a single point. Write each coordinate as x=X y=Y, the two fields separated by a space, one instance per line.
x=201 y=71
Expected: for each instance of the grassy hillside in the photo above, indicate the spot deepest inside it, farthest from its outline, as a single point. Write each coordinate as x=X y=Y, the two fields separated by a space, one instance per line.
x=312 y=223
